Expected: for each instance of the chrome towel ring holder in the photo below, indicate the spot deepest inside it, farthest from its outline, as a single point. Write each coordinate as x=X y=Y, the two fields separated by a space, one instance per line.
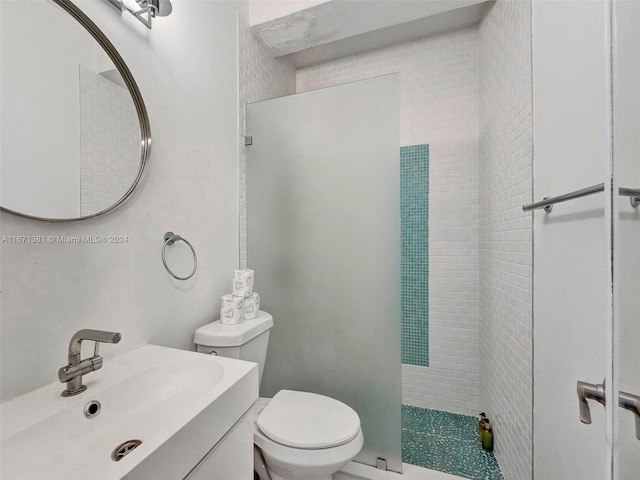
x=169 y=239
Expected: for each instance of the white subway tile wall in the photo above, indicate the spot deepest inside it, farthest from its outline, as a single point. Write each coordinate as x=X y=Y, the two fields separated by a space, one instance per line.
x=439 y=88
x=260 y=77
x=506 y=232
x=108 y=163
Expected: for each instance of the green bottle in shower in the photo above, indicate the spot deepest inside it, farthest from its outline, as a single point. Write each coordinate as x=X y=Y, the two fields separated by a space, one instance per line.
x=487 y=436
x=481 y=419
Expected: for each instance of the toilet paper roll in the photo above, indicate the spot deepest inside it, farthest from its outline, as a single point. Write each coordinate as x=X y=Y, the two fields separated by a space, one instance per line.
x=251 y=305
x=231 y=309
x=242 y=282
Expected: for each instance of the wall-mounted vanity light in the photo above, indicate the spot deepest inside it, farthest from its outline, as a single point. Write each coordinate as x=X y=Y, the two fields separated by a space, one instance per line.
x=145 y=10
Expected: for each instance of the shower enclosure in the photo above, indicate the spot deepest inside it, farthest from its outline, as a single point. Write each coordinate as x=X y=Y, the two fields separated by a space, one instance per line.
x=316 y=207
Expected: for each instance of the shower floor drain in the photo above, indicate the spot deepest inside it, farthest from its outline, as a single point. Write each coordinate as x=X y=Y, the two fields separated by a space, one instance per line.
x=124 y=449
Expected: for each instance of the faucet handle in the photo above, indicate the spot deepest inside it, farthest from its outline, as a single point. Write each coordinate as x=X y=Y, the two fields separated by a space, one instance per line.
x=72 y=373
x=631 y=402
x=104 y=337
x=590 y=391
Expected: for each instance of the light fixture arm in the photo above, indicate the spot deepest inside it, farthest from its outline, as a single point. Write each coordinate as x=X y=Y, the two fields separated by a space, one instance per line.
x=144 y=10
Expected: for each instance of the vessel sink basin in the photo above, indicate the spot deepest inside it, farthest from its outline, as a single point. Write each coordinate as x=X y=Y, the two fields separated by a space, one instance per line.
x=147 y=396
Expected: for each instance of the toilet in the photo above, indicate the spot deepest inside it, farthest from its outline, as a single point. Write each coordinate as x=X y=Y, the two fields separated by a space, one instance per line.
x=300 y=435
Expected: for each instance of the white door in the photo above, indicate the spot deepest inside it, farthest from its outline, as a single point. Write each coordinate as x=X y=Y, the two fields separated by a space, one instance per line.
x=627 y=248
x=571 y=306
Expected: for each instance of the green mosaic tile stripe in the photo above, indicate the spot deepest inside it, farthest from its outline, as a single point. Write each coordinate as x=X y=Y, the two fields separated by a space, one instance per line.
x=414 y=215
x=447 y=442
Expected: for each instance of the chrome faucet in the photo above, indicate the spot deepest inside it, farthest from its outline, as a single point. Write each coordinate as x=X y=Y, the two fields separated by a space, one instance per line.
x=72 y=373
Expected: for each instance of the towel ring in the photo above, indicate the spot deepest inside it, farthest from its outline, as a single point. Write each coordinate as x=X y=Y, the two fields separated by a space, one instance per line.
x=169 y=239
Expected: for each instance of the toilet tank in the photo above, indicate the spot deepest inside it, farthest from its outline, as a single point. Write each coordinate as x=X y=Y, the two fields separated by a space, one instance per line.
x=246 y=340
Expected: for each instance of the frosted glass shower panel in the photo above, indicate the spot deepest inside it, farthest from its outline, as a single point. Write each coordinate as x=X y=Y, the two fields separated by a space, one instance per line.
x=323 y=209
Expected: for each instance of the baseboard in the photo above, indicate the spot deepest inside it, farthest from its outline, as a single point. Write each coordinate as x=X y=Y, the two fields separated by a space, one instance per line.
x=360 y=471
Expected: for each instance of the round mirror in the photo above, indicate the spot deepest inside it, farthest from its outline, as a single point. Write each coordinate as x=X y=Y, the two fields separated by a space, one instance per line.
x=75 y=131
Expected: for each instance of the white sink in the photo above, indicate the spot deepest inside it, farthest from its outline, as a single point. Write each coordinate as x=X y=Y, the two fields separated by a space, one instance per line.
x=152 y=394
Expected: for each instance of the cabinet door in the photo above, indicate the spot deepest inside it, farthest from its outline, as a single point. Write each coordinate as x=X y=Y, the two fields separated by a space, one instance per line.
x=627 y=247
x=232 y=459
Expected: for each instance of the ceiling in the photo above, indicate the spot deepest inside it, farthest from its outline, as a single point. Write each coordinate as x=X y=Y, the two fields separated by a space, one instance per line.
x=309 y=32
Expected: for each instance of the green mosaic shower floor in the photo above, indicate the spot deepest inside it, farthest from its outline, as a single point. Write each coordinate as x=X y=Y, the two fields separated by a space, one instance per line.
x=447 y=442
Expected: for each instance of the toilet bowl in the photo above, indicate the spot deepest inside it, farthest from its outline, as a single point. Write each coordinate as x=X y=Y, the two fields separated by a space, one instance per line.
x=305 y=436
x=299 y=435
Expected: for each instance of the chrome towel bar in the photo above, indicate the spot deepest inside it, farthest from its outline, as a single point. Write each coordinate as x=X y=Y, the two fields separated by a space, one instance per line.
x=548 y=202
x=169 y=239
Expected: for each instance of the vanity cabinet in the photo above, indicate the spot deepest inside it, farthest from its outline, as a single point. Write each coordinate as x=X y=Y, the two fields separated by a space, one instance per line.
x=216 y=444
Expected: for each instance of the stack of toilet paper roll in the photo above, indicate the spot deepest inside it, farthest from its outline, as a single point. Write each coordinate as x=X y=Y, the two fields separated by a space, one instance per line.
x=243 y=302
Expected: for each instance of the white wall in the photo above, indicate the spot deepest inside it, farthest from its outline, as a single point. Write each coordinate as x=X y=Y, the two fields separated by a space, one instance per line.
x=570 y=282
x=186 y=68
x=506 y=233
x=438 y=106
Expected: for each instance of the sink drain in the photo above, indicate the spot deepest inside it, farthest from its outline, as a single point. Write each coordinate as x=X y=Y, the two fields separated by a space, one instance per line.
x=92 y=409
x=124 y=449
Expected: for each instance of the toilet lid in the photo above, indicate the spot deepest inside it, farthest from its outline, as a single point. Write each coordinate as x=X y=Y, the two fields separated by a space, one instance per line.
x=308 y=420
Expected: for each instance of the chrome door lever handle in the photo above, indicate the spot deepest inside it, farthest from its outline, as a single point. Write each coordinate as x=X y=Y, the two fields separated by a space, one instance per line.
x=590 y=391
x=631 y=402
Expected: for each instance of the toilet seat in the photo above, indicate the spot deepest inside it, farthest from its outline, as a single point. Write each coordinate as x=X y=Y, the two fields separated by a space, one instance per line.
x=308 y=421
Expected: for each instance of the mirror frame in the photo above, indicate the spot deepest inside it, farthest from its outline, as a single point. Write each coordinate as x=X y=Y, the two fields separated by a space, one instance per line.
x=143 y=118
